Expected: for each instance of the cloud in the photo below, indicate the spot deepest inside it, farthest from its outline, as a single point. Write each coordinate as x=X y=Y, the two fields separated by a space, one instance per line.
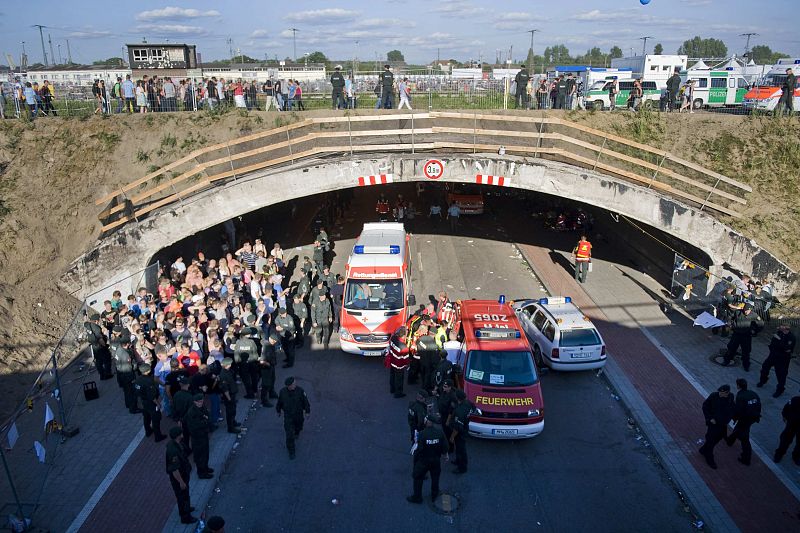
x=88 y=34
x=259 y=34
x=323 y=16
x=175 y=13
x=173 y=29
x=459 y=8
x=633 y=16
x=516 y=21
x=696 y=3
x=387 y=23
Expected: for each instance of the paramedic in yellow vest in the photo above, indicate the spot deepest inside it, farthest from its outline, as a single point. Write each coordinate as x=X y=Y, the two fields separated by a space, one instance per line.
x=583 y=258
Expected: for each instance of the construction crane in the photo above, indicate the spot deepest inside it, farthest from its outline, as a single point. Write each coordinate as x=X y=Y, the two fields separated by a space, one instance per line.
x=41 y=36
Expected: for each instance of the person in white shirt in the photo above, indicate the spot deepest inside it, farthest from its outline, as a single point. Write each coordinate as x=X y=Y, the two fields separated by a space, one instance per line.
x=179 y=265
x=452 y=347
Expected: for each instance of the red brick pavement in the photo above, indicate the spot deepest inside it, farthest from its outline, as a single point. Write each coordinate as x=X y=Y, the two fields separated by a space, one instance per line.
x=753 y=496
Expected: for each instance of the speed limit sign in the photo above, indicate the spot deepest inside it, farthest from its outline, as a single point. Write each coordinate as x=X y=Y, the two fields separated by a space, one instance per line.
x=433 y=169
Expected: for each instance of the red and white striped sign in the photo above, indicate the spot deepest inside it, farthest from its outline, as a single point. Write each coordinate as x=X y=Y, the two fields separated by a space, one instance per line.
x=483 y=179
x=380 y=179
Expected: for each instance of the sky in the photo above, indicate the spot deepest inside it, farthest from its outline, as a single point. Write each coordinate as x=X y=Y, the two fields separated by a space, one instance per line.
x=367 y=29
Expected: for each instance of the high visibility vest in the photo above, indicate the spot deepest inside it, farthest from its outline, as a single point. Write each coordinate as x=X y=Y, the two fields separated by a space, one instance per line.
x=583 y=251
x=441 y=336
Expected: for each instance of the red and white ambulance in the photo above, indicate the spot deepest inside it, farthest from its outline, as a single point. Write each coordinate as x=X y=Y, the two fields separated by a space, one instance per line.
x=767 y=93
x=377 y=289
x=497 y=371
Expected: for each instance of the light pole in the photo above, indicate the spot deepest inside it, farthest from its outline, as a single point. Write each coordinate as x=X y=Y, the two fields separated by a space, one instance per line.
x=644 y=44
x=305 y=56
x=41 y=36
x=530 y=63
x=59 y=54
x=294 y=41
x=747 y=46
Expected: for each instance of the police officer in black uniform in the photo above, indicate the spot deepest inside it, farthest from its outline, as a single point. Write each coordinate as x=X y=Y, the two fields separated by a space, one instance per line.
x=386 y=79
x=228 y=390
x=521 y=80
x=293 y=404
x=444 y=371
x=446 y=402
x=744 y=325
x=147 y=391
x=98 y=342
x=781 y=347
x=181 y=402
x=718 y=410
x=179 y=470
x=431 y=446
x=337 y=81
x=123 y=362
x=791 y=416
x=197 y=421
x=246 y=351
x=460 y=427
x=747 y=411
x=417 y=410
x=286 y=330
x=268 y=362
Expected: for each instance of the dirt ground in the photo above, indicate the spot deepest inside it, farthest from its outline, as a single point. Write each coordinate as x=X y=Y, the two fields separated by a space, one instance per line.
x=53 y=170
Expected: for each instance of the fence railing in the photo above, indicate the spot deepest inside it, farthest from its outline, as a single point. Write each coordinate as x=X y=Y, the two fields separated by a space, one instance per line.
x=457 y=132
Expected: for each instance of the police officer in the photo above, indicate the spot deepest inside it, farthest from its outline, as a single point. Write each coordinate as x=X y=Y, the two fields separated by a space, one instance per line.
x=286 y=330
x=431 y=446
x=446 y=402
x=303 y=286
x=521 y=79
x=791 y=416
x=399 y=359
x=327 y=278
x=387 y=88
x=781 y=347
x=181 y=402
x=293 y=404
x=747 y=411
x=718 y=410
x=428 y=356
x=416 y=413
x=319 y=257
x=147 y=391
x=99 y=346
x=319 y=288
x=268 y=362
x=246 y=351
x=300 y=313
x=179 y=469
x=337 y=81
x=561 y=92
x=321 y=319
x=460 y=427
x=444 y=371
x=197 y=421
x=123 y=362
x=228 y=390
x=744 y=325
x=337 y=299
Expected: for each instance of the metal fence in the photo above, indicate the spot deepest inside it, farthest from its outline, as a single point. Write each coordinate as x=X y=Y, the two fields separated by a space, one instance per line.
x=31 y=435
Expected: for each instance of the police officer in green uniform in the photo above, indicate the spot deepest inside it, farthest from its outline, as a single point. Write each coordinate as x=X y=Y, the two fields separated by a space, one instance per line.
x=286 y=330
x=147 y=391
x=416 y=413
x=337 y=81
x=303 y=287
x=123 y=363
x=300 y=313
x=321 y=319
x=327 y=278
x=431 y=446
x=246 y=350
x=319 y=257
x=198 y=424
x=179 y=470
x=293 y=404
x=319 y=288
x=181 y=402
x=460 y=428
x=268 y=362
x=446 y=403
x=228 y=390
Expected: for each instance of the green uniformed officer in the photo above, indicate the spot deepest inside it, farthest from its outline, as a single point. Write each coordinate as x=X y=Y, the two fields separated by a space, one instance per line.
x=319 y=257
x=303 y=287
x=246 y=350
x=416 y=413
x=268 y=363
x=307 y=269
x=228 y=390
x=327 y=278
x=179 y=470
x=181 y=402
x=300 y=311
x=446 y=402
x=198 y=424
x=147 y=391
x=123 y=363
x=321 y=319
x=293 y=404
x=285 y=327
x=319 y=288
x=431 y=446
x=428 y=353
x=460 y=428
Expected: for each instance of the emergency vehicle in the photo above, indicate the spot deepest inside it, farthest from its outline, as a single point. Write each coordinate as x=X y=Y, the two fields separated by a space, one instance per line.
x=767 y=93
x=716 y=88
x=468 y=199
x=563 y=337
x=598 y=95
x=497 y=372
x=377 y=289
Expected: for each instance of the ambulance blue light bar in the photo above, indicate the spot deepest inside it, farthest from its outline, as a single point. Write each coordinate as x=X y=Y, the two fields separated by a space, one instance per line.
x=555 y=300
x=391 y=249
x=497 y=333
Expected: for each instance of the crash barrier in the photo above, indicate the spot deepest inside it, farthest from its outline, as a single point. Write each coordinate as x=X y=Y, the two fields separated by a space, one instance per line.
x=32 y=433
x=538 y=136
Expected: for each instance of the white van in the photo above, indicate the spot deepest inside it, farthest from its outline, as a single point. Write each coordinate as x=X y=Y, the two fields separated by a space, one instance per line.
x=598 y=97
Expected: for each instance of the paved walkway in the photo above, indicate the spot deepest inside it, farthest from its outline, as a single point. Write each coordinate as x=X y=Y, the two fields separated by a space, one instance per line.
x=667 y=397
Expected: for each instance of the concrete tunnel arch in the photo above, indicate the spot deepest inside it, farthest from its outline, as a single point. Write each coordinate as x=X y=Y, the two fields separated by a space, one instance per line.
x=127 y=250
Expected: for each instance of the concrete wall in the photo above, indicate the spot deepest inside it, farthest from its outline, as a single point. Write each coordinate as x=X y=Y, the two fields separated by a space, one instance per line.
x=129 y=249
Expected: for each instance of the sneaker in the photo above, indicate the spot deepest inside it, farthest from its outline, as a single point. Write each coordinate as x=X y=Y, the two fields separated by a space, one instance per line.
x=777 y=393
x=413 y=499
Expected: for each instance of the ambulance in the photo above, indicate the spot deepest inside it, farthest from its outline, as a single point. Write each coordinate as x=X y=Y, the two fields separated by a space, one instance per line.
x=377 y=289
x=497 y=371
x=766 y=94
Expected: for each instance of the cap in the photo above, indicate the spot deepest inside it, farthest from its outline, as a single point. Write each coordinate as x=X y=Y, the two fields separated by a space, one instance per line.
x=198 y=397
x=422 y=393
x=145 y=368
x=461 y=395
x=281 y=310
x=288 y=381
x=174 y=432
x=215 y=523
x=227 y=361
x=724 y=388
x=94 y=316
x=117 y=329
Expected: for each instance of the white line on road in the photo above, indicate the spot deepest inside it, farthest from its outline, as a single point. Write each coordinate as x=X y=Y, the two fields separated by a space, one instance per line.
x=419 y=260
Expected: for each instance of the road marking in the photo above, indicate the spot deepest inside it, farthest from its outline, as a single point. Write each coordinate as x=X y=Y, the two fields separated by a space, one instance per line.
x=419 y=260
x=103 y=487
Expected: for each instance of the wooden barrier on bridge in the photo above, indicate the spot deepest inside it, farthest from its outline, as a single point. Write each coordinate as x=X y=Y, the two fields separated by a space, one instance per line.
x=424 y=132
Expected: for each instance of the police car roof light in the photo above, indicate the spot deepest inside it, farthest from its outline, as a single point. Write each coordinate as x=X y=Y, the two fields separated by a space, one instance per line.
x=358 y=249
x=361 y=249
x=502 y=299
x=555 y=300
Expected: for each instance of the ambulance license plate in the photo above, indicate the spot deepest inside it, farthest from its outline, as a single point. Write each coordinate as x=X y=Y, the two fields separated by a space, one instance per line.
x=504 y=432
x=374 y=353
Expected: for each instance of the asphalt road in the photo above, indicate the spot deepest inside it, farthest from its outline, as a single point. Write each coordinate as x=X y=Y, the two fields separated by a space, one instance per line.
x=586 y=471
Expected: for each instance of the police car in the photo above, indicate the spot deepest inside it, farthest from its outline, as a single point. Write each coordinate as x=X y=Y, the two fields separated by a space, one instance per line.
x=562 y=337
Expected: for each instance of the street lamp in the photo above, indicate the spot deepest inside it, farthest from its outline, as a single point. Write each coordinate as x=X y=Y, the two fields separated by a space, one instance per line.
x=305 y=56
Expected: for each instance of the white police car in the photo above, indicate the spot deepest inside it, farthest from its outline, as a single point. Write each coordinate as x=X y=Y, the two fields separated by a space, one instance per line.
x=562 y=337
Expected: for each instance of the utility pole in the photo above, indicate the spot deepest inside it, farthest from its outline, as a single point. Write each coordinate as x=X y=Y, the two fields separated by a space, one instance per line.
x=23 y=61
x=60 y=61
x=294 y=42
x=747 y=46
x=355 y=59
x=50 y=42
x=230 y=47
x=41 y=36
x=530 y=63
x=644 y=44
x=69 y=53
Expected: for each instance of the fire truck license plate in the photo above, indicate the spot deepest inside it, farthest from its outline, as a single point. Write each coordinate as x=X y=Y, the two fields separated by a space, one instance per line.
x=373 y=353
x=504 y=432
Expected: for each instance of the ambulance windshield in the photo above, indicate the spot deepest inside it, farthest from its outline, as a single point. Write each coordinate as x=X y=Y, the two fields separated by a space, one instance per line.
x=501 y=368
x=373 y=295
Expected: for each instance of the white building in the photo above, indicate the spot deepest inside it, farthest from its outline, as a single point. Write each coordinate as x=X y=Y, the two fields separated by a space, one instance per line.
x=652 y=67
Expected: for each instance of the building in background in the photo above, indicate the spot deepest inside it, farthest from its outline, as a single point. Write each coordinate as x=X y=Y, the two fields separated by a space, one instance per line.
x=162 y=59
x=652 y=67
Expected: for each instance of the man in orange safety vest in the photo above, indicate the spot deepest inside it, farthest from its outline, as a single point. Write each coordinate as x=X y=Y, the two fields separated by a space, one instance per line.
x=583 y=259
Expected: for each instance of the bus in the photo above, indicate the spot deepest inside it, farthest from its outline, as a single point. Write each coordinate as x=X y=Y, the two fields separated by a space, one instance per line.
x=716 y=88
x=766 y=94
x=377 y=289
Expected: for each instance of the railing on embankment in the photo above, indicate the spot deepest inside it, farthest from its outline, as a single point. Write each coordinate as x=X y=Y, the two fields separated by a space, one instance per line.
x=449 y=132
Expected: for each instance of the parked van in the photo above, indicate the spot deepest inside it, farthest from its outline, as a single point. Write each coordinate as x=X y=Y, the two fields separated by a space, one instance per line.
x=716 y=88
x=599 y=97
